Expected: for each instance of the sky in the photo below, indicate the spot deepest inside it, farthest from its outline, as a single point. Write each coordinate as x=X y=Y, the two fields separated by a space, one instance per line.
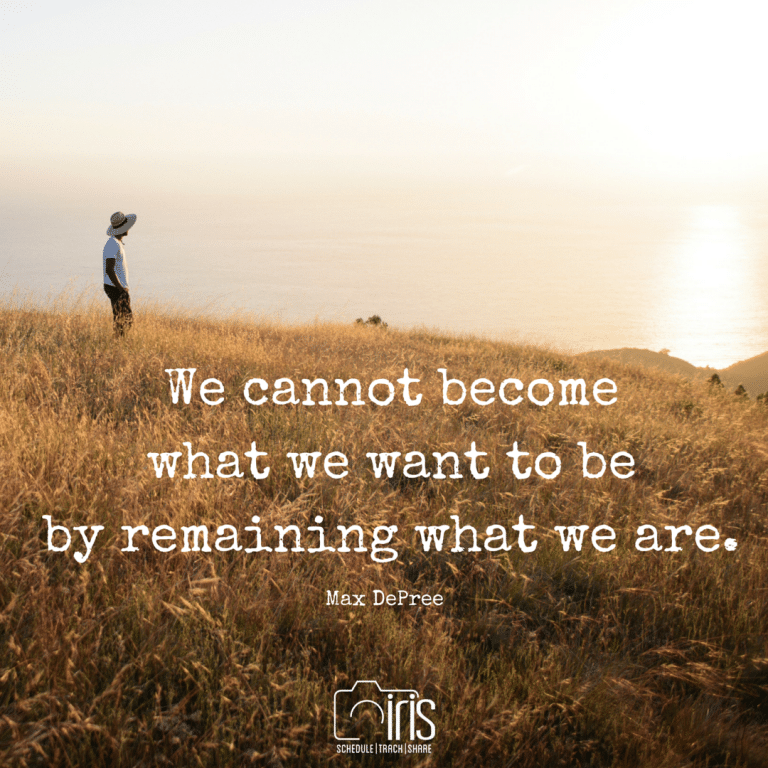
x=666 y=91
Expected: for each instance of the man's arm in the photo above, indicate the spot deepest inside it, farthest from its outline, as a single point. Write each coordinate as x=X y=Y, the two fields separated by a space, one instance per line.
x=110 y=270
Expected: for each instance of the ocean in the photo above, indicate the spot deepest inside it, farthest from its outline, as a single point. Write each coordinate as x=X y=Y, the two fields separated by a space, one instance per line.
x=577 y=270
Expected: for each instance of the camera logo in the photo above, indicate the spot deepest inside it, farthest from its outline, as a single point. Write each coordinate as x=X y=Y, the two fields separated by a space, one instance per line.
x=395 y=714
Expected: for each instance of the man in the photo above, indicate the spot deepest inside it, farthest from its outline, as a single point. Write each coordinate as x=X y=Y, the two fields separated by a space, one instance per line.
x=116 y=271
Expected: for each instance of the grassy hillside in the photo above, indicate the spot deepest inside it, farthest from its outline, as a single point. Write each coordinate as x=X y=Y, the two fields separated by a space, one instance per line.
x=549 y=658
x=752 y=373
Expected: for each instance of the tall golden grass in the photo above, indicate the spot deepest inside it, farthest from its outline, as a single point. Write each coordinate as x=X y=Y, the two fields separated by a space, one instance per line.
x=545 y=659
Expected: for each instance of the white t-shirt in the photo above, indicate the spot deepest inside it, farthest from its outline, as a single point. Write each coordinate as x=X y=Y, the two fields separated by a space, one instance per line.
x=114 y=250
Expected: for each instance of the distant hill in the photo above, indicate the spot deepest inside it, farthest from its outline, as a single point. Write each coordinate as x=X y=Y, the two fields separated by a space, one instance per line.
x=648 y=359
x=752 y=373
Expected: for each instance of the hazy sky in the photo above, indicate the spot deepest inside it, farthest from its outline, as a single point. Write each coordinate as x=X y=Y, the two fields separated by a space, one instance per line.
x=671 y=89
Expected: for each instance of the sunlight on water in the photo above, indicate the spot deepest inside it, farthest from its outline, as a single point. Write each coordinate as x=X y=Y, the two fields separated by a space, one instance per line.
x=710 y=287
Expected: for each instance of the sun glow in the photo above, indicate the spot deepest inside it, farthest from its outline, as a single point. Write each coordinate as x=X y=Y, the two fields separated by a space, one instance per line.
x=685 y=80
x=710 y=284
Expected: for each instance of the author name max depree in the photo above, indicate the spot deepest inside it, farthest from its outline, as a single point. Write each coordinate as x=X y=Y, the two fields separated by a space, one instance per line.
x=401 y=597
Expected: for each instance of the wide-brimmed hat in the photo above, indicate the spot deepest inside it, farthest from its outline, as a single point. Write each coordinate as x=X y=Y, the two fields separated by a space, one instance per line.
x=120 y=223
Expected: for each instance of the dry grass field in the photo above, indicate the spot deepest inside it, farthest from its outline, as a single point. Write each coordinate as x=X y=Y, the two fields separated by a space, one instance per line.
x=227 y=658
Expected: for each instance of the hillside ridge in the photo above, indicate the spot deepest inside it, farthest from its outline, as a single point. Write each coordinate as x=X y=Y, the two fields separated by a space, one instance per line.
x=752 y=373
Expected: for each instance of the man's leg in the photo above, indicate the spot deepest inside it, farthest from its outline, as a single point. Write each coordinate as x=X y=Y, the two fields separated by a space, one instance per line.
x=121 y=308
x=123 y=315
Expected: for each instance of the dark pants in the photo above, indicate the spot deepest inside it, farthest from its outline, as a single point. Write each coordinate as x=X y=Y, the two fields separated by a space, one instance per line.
x=121 y=308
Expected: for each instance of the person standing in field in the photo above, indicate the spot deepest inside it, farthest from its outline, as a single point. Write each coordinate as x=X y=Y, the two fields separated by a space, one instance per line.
x=116 y=271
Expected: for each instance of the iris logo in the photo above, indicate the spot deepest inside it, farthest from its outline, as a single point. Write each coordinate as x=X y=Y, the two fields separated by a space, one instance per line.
x=396 y=714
